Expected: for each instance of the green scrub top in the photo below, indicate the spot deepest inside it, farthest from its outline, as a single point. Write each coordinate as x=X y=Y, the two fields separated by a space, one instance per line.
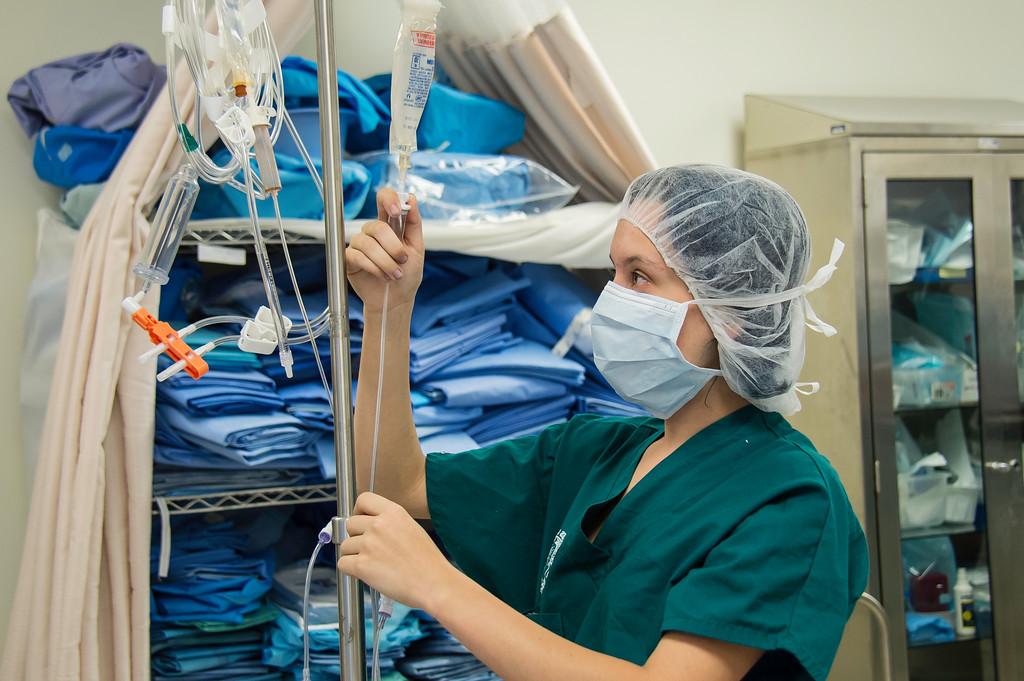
x=744 y=534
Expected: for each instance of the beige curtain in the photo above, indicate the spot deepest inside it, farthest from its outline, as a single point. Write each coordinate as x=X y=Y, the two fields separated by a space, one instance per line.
x=577 y=124
x=81 y=610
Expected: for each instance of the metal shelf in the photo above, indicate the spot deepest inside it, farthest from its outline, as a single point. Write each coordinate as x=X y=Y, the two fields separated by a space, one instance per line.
x=241 y=236
x=249 y=498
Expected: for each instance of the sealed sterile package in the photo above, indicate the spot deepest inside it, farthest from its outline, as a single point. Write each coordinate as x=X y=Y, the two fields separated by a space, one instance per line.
x=473 y=187
x=904 y=241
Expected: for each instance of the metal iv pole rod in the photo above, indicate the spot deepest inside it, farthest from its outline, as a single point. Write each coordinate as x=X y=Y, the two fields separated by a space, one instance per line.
x=350 y=602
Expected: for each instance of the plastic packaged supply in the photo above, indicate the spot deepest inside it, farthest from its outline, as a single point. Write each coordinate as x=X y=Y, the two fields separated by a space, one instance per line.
x=907 y=450
x=963 y=495
x=473 y=187
x=922 y=377
x=951 y=250
x=904 y=239
x=927 y=371
x=950 y=317
x=923 y=492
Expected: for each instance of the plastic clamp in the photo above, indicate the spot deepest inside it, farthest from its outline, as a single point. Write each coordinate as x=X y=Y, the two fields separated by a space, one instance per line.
x=236 y=128
x=259 y=334
x=163 y=333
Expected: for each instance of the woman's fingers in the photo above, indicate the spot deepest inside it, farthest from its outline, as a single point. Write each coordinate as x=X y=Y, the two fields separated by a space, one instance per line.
x=371 y=504
x=372 y=249
x=348 y=565
x=357 y=525
x=352 y=546
x=388 y=240
x=356 y=261
x=388 y=204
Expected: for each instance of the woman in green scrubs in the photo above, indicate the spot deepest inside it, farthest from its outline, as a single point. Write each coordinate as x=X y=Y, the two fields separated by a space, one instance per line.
x=709 y=542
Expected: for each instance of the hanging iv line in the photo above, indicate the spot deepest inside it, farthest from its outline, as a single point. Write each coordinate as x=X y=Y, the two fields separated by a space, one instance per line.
x=238 y=79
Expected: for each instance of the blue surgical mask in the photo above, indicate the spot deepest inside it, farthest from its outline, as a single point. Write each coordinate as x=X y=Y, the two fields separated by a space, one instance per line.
x=634 y=336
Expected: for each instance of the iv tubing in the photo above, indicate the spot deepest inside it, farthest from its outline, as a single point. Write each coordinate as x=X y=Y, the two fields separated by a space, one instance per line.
x=305 y=611
x=190 y=36
x=210 y=321
x=298 y=297
x=267 y=272
x=310 y=165
x=381 y=613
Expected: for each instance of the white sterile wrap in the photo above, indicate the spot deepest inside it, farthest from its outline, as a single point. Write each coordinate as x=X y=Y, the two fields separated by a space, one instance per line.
x=577 y=335
x=741 y=245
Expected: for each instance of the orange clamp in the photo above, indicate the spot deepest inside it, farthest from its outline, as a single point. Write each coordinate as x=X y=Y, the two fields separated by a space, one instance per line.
x=176 y=348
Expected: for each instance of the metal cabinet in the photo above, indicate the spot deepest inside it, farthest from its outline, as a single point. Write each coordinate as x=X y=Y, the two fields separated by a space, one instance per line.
x=921 y=402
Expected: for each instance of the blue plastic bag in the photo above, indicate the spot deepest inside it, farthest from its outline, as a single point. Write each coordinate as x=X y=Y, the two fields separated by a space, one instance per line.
x=298 y=198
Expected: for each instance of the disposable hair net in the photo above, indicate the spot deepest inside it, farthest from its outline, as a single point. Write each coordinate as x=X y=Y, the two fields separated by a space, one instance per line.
x=740 y=244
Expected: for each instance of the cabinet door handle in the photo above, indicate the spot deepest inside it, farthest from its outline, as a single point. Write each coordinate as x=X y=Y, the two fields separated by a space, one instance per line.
x=1003 y=466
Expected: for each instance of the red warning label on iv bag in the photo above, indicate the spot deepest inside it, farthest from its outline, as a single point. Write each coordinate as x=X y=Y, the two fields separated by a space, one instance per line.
x=423 y=38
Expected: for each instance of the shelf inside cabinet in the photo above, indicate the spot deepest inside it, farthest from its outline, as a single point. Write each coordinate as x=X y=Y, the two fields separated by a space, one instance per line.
x=944 y=530
x=960 y=640
x=936 y=407
x=927 y=276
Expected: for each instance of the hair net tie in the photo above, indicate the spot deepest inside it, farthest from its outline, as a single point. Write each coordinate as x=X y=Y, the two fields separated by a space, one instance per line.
x=811 y=319
x=809 y=388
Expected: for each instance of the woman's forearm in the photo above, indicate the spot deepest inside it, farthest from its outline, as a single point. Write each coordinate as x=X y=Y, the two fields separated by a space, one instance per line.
x=516 y=648
x=400 y=463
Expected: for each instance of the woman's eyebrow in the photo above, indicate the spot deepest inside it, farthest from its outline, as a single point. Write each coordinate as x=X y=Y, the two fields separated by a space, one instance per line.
x=640 y=259
x=633 y=259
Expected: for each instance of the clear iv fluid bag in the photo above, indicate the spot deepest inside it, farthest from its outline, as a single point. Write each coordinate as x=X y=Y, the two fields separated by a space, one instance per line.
x=235 y=44
x=412 y=71
x=169 y=226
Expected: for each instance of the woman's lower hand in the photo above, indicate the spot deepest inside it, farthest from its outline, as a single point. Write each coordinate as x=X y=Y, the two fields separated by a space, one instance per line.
x=389 y=551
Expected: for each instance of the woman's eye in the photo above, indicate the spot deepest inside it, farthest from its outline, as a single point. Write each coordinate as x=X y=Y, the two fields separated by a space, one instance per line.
x=638 y=278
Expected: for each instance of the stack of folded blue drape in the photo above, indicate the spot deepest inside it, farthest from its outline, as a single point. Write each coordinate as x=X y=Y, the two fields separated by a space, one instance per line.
x=441 y=657
x=284 y=643
x=268 y=439
x=210 y=613
x=233 y=418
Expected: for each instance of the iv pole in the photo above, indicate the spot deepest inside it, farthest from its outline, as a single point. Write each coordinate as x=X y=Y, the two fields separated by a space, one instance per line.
x=350 y=602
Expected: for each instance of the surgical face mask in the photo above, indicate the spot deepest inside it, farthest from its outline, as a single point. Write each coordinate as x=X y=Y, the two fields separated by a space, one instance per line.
x=634 y=336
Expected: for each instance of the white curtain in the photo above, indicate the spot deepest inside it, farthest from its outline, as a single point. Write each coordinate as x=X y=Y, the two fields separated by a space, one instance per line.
x=81 y=609
x=534 y=55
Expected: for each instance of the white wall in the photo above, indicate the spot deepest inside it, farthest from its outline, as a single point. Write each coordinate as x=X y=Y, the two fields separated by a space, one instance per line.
x=682 y=66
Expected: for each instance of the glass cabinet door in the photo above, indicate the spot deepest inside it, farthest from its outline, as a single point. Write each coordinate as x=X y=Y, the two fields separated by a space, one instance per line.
x=1004 y=476
x=921 y=215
